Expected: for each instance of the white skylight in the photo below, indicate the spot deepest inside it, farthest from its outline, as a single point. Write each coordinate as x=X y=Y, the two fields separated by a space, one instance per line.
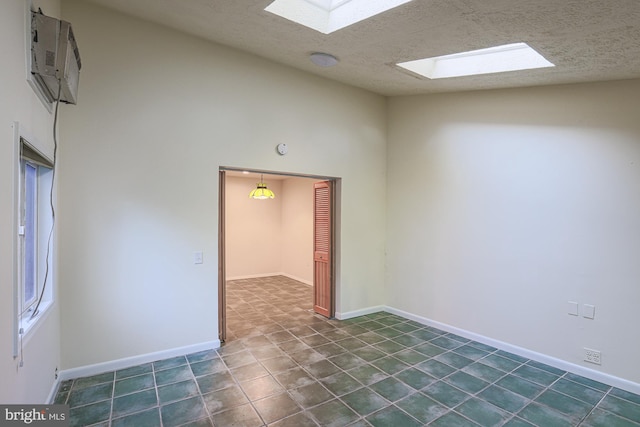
x=509 y=57
x=327 y=16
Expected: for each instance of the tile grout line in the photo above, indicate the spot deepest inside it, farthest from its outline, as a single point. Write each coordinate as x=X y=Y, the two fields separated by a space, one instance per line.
x=155 y=386
x=604 y=395
x=113 y=393
x=199 y=390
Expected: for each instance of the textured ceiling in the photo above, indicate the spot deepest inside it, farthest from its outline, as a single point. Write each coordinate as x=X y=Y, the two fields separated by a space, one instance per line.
x=587 y=40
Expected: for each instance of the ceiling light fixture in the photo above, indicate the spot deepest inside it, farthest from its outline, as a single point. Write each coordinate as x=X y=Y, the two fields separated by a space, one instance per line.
x=509 y=57
x=322 y=59
x=261 y=192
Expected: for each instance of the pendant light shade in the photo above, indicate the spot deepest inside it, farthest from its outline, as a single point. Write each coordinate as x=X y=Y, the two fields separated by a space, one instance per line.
x=261 y=192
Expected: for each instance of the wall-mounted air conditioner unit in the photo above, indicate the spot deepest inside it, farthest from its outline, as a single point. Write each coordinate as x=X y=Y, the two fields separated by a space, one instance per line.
x=55 y=60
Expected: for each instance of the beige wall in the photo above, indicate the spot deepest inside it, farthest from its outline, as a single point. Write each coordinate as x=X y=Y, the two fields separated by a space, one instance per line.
x=253 y=230
x=270 y=237
x=41 y=349
x=297 y=229
x=505 y=205
x=158 y=113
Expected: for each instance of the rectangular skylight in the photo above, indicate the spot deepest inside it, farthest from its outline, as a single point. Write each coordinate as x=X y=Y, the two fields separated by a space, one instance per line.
x=328 y=4
x=327 y=16
x=509 y=57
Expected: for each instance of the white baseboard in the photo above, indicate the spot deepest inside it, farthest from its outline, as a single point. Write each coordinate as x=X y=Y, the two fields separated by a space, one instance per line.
x=53 y=391
x=254 y=276
x=362 y=312
x=259 y=276
x=127 y=362
x=299 y=279
x=529 y=354
x=592 y=374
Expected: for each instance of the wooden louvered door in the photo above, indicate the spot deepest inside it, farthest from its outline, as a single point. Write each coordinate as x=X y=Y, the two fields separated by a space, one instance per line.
x=322 y=253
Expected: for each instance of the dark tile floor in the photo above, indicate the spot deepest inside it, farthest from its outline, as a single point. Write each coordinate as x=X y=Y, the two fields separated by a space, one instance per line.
x=284 y=366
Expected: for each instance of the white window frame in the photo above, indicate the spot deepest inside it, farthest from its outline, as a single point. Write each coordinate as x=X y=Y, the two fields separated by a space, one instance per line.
x=24 y=320
x=29 y=232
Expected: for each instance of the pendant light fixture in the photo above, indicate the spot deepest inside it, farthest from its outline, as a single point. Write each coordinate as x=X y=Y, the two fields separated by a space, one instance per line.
x=261 y=192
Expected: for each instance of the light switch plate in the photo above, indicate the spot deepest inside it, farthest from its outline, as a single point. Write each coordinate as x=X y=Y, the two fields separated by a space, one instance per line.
x=197 y=257
x=572 y=308
x=589 y=311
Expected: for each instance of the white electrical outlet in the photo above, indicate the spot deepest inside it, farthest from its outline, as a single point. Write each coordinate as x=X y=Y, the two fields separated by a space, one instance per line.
x=592 y=356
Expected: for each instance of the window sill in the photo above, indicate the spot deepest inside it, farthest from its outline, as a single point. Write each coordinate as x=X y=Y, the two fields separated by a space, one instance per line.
x=28 y=326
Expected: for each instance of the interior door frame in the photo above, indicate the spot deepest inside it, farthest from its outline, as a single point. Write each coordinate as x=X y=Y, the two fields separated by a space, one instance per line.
x=222 y=271
x=222 y=276
x=323 y=256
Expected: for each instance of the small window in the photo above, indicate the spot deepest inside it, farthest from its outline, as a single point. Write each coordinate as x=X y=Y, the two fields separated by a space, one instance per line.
x=30 y=230
x=35 y=233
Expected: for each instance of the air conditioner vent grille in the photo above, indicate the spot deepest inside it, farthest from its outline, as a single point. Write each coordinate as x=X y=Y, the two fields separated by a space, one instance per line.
x=50 y=60
x=55 y=63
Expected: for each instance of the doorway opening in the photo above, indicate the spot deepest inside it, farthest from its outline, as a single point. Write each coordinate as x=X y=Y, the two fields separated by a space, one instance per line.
x=301 y=227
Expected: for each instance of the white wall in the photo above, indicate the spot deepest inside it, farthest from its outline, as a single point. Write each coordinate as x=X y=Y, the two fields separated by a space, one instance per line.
x=41 y=350
x=253 y=230
x=158 y=113
x=504 y=205
x=297 y=229
x=270 y=237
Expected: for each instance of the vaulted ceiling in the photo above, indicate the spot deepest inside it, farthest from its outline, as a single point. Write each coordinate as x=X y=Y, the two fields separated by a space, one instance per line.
x=587 y=40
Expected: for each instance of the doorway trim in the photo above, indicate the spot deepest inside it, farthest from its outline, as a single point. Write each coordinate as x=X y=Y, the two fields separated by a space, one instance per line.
x=222 y=273
x=222 y=278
